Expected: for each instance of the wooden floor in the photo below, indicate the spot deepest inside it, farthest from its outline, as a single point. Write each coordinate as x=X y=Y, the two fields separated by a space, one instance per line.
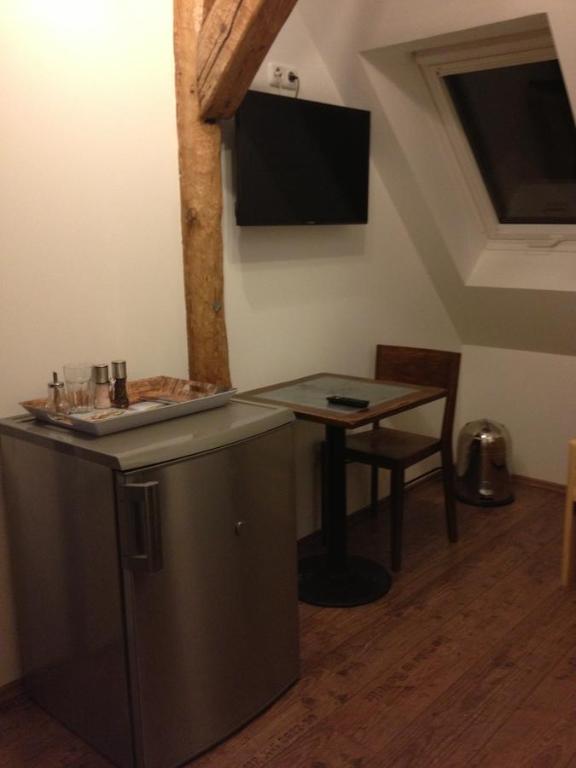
x=470 y=660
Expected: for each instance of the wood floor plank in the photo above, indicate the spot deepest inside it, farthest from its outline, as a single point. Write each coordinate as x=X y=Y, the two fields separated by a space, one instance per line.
x=468 y=661
x=29 y=738
x=435 y=600
x=460 y=722
x=542 y=729
x=384 y=694
x=430 y=555
x=398 y=630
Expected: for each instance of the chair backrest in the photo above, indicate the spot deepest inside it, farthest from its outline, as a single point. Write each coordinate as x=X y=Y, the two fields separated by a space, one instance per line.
x=426 y=367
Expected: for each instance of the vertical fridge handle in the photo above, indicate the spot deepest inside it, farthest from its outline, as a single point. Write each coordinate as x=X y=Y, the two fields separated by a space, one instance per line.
x=141 y=531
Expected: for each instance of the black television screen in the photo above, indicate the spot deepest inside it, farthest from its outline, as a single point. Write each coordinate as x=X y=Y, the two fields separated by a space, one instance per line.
x=300 y=162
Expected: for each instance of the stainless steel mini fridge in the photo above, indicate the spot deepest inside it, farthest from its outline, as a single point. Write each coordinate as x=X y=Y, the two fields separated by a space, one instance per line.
x=155 y=576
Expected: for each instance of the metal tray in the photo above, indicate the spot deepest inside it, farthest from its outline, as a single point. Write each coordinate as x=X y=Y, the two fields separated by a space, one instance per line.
x=167 y=397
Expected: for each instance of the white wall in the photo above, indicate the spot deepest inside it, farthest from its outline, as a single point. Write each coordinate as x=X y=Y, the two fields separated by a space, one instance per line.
x=532 y=395
x=423 y=177
x=89 y=188
x=529 y=391
x=90 y=263
x=310 y=298
x=305 y=299
x=90 y=258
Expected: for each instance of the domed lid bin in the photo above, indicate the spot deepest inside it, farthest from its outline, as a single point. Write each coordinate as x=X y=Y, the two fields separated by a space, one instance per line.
x=482 y=476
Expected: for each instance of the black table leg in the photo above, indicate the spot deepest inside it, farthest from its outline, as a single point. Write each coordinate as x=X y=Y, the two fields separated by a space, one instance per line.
x=334 y=579
x=336 y=498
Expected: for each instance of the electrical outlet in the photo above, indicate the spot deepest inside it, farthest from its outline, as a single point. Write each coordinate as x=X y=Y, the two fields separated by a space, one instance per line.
x=282 y=76
x=275 y=74
x=291 y=80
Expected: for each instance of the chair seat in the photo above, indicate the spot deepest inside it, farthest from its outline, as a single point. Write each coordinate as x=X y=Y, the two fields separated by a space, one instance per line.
x=383 y=446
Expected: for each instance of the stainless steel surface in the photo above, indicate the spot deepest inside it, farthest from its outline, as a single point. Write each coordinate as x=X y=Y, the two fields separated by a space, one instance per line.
x=216 y=628
x=119 y=369
x=482 y=475
x=156 y=443
x=55 y=384
x=153 y=647
x=140 y=527
x=66 y=575
x=101 y=374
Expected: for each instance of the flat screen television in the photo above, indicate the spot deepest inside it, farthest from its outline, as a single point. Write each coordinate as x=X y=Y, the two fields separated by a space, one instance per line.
x=300 y=162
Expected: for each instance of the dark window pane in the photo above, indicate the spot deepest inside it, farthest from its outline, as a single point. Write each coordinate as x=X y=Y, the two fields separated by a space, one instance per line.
x=521 y=129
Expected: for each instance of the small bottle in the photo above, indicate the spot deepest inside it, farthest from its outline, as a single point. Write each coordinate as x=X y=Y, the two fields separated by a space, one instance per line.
x=57 y=401
x=101 y=386
x=119 y=394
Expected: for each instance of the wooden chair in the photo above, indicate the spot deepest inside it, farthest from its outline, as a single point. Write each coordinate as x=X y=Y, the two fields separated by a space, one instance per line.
x=396 y=450
x=569 y=545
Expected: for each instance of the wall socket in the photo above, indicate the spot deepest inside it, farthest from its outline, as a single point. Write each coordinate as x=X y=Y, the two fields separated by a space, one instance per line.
x=282 y=76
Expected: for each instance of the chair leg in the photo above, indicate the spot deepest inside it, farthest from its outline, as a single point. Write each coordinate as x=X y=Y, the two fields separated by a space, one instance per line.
x=396 y=516
x=374 y=491
x=324 y=517
x=448 y=477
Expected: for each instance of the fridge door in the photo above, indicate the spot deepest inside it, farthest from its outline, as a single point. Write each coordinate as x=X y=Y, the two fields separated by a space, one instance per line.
x=209 y=558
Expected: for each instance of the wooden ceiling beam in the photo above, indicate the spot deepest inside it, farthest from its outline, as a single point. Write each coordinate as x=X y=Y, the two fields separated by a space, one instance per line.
x=199 y=145
x=218 y=47
x=207 y=5
x=234 y=39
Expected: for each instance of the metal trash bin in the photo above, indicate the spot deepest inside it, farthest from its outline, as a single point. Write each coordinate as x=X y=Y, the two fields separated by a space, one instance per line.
x=482 y=476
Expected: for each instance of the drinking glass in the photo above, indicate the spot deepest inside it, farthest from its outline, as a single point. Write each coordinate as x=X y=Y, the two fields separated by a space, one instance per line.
x=79 y=386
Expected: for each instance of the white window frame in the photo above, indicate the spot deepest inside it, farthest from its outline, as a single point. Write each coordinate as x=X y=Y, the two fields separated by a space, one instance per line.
x=481 y=55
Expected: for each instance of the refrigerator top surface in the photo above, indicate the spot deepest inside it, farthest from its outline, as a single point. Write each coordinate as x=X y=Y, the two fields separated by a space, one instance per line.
x=156 y=443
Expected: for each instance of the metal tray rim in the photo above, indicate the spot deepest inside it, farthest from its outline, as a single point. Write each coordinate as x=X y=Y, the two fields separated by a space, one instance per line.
x=131 y=420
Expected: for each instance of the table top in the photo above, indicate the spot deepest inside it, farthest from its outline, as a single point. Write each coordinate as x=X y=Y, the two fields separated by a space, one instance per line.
x=307 y=398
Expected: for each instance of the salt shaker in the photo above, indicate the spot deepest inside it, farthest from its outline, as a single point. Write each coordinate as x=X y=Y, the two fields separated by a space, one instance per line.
x=57 y=401
x=101 y=386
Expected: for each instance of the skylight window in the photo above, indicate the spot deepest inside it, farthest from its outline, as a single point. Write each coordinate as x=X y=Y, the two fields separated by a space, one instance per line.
x=504 y=107
x=519 y=125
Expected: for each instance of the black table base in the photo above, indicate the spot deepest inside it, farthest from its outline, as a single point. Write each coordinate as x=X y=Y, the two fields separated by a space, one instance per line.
x=360 y=581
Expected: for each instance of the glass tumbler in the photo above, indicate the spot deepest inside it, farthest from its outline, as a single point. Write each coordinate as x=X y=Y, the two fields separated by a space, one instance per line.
x=79 y=387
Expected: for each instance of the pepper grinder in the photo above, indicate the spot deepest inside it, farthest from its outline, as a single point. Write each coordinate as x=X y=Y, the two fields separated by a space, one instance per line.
x=57 y=401
x=119 y=394
x=101 y=386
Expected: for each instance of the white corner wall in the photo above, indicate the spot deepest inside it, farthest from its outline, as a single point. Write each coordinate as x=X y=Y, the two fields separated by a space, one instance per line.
x=90 y=258
x=91 y=261
x=308 y=299
x=529 y=391
x=532 y=394
x=302 y=299
x=91 y=252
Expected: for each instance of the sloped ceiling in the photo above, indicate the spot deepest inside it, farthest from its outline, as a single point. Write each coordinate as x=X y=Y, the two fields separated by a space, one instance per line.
x=509 y=300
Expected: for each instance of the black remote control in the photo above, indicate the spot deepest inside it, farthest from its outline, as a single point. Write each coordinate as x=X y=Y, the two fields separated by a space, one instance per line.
x=349 y=402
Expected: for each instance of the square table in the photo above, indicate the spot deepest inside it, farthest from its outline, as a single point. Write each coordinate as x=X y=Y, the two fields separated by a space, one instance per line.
x=336 y=579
